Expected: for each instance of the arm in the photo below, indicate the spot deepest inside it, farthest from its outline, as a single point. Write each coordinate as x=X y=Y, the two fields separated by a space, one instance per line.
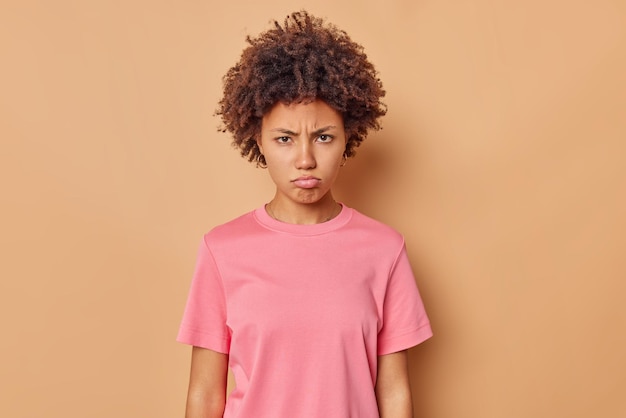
x=206 y=397
x=393 y=390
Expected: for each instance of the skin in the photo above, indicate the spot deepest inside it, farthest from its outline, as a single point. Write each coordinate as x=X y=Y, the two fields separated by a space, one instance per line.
x=393 y=388
x=206 y=396
x=303 y=141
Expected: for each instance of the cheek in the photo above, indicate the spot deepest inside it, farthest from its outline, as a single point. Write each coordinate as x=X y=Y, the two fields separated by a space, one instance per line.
x=277 y=166
x=275 y=158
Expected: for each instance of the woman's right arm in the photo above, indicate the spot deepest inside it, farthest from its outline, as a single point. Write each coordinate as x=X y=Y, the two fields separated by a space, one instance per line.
x=206 y=397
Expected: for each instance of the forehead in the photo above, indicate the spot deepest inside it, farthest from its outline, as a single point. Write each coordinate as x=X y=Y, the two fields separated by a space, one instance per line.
x=312 y=114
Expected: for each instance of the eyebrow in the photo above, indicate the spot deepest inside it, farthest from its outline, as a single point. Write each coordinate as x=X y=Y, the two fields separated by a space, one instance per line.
x=315 y=132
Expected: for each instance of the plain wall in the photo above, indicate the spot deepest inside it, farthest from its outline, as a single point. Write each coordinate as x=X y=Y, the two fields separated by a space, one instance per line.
x=501 y=160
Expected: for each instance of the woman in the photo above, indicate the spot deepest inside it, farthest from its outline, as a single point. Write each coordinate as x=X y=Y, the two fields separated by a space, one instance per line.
x=310 y=303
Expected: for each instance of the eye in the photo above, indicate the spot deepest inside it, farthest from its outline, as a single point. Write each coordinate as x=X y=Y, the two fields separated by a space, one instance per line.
x=283 y=139
x=324 y=138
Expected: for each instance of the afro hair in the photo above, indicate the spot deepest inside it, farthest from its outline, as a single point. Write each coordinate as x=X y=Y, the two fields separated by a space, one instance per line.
x=303 y=60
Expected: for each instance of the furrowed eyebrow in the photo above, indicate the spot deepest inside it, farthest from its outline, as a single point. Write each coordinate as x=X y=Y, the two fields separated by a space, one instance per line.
x=316 y=132
x=324 y=129
x=283 y=131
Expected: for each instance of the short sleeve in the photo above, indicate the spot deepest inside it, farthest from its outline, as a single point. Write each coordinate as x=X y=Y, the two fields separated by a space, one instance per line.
x=405 y=323
x=204 y=319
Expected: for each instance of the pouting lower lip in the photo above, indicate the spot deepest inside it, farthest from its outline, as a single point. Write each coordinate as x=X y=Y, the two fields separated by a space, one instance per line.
x=307 y=182
x=306 y=178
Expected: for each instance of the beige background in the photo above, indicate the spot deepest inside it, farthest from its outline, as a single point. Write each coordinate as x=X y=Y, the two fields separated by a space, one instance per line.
x=501 y=160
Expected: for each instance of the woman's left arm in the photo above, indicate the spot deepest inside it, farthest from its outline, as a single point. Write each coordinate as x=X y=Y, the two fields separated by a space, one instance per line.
x=393 y=389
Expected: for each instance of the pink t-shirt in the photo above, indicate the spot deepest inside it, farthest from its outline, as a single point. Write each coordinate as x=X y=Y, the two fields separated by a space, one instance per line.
x=303 y=312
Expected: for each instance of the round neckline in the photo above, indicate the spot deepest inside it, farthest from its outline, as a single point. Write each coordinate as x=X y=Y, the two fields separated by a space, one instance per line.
x=338 y=221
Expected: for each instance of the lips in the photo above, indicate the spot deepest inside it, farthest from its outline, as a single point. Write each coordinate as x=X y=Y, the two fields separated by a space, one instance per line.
x=306 y=182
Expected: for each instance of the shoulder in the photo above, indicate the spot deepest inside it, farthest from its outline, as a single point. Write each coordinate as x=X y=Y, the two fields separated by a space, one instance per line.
x=375 y=229
x=231 y=229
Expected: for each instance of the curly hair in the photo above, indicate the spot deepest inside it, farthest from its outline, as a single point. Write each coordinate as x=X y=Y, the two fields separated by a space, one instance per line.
x=303 y=60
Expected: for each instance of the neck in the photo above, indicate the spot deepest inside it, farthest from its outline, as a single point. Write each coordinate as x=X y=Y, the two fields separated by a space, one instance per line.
x=303 y=213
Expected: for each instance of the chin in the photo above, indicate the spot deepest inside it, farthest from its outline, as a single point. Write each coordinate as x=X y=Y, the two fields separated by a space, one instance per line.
x=309 y=198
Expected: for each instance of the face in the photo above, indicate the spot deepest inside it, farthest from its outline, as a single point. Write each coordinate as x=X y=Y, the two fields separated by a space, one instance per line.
x=303 y=145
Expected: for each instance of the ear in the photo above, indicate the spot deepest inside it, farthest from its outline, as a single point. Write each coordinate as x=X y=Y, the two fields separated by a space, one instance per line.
x=258 y=143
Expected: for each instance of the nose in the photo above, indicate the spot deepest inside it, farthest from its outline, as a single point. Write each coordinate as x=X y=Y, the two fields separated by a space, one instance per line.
x=305 y=158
